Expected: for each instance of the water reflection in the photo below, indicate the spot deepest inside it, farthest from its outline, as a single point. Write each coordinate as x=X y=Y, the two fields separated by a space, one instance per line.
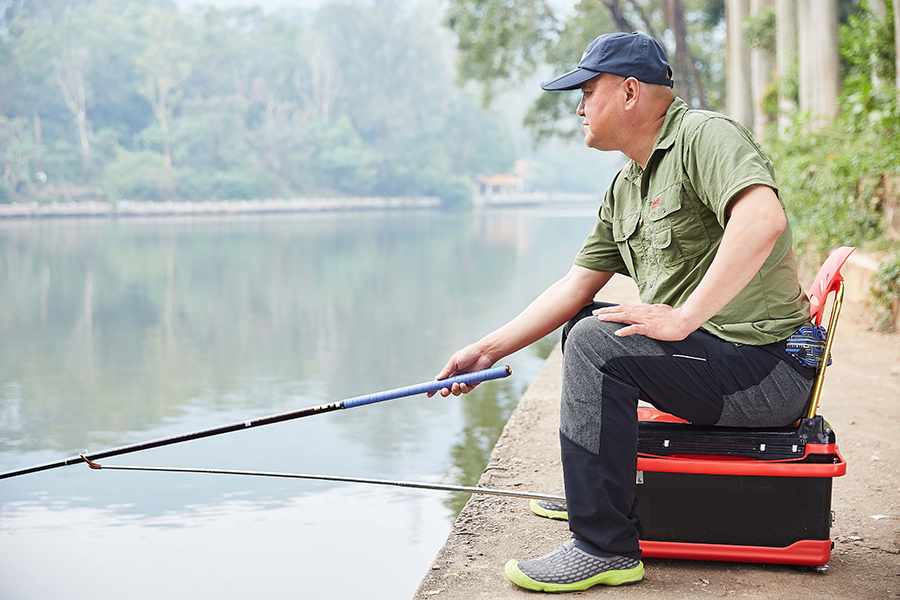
x=121 y=331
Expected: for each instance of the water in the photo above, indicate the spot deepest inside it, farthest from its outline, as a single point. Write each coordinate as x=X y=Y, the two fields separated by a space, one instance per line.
x=116 y=332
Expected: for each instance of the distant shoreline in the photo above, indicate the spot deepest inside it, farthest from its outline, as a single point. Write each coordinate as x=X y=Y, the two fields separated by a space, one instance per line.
x=132 y=208
x=129 y=208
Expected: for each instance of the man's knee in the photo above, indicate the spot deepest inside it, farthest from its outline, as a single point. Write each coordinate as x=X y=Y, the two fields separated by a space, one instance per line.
x=595 y=341
x=586 y=316
x=594 y=335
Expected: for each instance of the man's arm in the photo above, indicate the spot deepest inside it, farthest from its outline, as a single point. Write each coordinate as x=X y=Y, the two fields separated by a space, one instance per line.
x=556 y=305
x=755 y=220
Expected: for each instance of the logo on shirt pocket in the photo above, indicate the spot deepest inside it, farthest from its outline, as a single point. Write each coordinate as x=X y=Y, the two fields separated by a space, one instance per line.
x=679 y=233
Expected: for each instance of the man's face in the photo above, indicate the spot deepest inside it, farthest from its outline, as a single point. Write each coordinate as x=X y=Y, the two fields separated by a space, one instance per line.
x=597 y=108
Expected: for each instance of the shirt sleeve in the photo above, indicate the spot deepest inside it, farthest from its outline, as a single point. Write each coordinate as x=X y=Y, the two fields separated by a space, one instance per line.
x=721 y=159
x=599 y=251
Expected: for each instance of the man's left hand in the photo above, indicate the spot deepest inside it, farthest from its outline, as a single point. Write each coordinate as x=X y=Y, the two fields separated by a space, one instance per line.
x=657 y=321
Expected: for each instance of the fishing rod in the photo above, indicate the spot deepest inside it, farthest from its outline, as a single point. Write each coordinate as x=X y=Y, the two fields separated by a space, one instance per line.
x=406 y=484
x=469 y=379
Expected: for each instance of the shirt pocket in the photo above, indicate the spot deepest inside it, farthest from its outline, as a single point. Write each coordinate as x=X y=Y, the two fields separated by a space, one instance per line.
x=678 y=231
x=623 y=229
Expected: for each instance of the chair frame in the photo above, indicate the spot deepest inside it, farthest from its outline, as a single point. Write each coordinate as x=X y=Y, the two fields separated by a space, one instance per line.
x=828 y=280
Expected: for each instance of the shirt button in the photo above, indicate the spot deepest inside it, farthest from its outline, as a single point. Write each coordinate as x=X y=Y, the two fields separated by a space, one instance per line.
x=650 y=285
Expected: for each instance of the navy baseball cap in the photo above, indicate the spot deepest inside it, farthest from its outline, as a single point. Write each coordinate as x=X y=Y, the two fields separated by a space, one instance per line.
x=625 y=54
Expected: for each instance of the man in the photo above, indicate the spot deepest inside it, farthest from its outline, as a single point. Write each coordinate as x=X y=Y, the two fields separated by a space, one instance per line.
x=695 y=219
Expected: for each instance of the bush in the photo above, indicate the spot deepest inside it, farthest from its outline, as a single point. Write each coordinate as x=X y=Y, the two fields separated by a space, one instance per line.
x=833 y=182
x=243 y=184
x=455 y=193
x=886 y=291
x=137 y=176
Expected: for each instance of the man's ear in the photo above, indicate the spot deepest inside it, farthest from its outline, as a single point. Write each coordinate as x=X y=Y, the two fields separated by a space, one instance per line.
x=631 y=89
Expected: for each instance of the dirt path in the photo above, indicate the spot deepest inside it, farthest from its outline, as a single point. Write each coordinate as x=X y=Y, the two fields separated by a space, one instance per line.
x=861 y=401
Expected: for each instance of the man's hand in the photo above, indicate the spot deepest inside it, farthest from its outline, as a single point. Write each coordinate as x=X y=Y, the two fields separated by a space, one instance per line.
x=471 y=358
x=556 y=305
x=657 y=321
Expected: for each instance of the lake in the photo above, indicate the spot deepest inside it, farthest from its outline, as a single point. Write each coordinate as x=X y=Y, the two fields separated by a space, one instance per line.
x=119 y=331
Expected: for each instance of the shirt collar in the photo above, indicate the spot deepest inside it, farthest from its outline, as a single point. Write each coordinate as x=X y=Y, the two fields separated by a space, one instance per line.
x=664 y=139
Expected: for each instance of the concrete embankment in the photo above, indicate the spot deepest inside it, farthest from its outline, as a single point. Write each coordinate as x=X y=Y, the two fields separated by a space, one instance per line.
x=861 y=401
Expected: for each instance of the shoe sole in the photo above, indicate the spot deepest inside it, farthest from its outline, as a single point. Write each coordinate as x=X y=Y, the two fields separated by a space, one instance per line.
x=560 y=515
x=616 y=577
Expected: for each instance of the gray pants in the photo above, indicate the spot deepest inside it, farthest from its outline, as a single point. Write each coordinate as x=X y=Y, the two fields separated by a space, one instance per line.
x=702 y=379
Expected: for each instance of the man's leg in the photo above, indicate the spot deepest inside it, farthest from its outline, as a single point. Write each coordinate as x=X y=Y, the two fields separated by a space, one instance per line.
x=702 y=379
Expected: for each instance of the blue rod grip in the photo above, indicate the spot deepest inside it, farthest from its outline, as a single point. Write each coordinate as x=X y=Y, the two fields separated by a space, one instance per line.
x=430 y=386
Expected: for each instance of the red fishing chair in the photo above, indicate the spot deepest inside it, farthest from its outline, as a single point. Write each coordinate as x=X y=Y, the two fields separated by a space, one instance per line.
x=744 y=494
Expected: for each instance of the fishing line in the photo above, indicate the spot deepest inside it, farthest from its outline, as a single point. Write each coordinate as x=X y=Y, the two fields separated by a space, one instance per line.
x=406 y=484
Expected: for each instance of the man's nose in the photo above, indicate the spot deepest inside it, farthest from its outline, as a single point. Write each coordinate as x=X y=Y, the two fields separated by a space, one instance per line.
x=580 y=110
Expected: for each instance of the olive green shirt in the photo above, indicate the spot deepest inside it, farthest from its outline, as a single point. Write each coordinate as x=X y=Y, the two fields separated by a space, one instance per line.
x=663 y=225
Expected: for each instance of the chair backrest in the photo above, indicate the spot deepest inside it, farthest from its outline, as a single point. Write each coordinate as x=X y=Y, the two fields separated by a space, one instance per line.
x=827 y=280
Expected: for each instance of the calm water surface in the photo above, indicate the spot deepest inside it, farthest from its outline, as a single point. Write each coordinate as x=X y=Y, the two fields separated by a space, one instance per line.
x=115 y=332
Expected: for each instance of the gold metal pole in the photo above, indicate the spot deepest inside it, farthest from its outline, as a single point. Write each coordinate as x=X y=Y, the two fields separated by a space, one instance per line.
x=829 y=340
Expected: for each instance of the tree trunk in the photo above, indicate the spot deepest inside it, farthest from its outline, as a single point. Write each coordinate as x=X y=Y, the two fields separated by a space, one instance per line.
x=897 y=44
x=761 y=67
x=69 y=75
x=686 y=74
x=325 y=79
x=738 y=94
x=786 y=59
x=879 y=11
x=819 y=53
x=618 y=16
x=164 y=127
x=37 y=132
x=157 y=91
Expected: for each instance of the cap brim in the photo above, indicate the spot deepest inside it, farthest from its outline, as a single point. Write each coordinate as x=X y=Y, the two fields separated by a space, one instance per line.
x=570 y=81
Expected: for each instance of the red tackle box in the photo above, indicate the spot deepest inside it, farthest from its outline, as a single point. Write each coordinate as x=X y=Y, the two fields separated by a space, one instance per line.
x=715 y=493
x=739 y=494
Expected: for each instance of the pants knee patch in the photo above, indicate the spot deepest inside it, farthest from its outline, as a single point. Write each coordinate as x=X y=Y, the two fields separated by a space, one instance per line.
x=590 y=344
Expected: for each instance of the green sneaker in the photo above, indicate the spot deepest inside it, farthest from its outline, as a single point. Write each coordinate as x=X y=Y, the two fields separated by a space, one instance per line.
x=551 y=509
x=570 y=569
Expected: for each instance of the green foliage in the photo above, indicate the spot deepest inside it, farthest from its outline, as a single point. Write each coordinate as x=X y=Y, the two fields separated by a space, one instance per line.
x=136 y=176
x=867 y=49
x=18 y=155
x=833 y=181
x=886 y=291
x=346 y=100
x=838 y=183
x=759 y=29
x=455 y=192
x=502 y=41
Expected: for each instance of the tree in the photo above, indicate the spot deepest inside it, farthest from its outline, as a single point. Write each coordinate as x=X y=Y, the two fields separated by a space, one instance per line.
x=502 y=41
x=761 y=64
x=17 y=153
x=786 y=60
x=234 y=103
x=165 y=66
x=685 y=62
x=739 y=92
x=897 y=46
x=819 y=59
x=68 y=71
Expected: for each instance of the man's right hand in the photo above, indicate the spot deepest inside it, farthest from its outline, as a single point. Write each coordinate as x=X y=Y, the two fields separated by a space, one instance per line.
x=471 y=358
x=556 y=305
